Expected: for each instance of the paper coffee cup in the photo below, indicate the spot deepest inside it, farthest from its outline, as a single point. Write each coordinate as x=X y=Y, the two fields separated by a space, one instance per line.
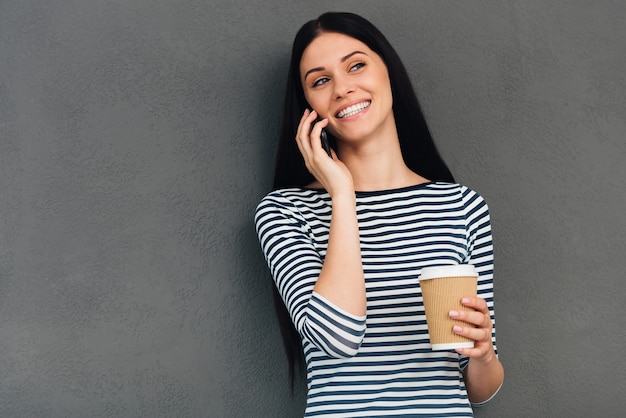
x=443 y=287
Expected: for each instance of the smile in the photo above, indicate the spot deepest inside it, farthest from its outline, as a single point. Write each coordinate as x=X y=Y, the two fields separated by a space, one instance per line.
x=353 y=110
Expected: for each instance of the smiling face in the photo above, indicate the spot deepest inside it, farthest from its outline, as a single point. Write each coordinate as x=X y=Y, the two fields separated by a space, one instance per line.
x=348 y=83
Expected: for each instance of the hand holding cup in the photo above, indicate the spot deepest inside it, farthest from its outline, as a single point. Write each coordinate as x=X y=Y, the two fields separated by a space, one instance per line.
x=443 y=289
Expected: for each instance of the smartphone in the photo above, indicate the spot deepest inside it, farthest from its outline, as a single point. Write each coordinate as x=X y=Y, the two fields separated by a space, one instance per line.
x=324 y=139
x=325 y=143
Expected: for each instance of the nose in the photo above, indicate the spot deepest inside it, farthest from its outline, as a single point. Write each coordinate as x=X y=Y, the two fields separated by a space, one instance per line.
x=343 y=87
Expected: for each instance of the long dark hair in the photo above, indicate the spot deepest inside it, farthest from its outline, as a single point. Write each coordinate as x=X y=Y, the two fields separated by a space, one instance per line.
x=418 y=148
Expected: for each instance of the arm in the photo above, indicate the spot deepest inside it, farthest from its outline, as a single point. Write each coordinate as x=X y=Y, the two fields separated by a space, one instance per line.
x=295 y=264
x=325 y=297
x=484 y=374
x=341 y=280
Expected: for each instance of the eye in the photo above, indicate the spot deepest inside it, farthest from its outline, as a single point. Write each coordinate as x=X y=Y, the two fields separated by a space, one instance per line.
x=320 y=81
x=357 y=66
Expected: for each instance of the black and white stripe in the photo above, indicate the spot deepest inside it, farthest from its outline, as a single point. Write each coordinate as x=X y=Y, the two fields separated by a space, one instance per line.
x=380 y=364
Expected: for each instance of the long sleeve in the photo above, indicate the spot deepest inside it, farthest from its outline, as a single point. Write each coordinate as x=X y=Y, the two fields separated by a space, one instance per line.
x=295 y=263
x=480 y=251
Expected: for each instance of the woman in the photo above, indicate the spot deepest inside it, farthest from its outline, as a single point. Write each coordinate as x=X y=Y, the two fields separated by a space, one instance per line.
x=346 y=235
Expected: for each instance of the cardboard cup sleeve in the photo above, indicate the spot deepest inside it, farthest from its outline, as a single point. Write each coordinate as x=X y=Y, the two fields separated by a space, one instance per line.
x=443 y=287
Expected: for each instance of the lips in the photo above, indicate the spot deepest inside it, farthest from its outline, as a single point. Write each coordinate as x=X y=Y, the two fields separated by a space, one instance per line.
x=353 y=109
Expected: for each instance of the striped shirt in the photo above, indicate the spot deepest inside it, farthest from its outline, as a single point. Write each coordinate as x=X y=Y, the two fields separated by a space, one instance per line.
x=379 y=364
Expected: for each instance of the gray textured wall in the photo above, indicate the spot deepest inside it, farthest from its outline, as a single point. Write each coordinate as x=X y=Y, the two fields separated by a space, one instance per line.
x=137 y=137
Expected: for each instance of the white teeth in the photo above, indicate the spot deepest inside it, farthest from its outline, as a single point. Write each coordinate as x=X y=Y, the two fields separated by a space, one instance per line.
x=352 y=110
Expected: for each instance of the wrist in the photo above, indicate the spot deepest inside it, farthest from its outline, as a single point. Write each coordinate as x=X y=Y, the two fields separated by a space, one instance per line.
x=343 y=196
x=486 y=360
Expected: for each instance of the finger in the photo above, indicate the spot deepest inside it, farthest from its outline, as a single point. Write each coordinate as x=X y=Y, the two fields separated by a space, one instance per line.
x=473 y=352
x=476 y=303
x=477 y=334
x=476 y=318
x=302 y=135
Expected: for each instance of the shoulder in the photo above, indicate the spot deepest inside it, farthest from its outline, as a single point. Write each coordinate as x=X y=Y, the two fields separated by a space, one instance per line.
x=276 y=200
x=292 y=197
x=460 y=189
x=466 y=198
x=292 y=202
x=452 y=190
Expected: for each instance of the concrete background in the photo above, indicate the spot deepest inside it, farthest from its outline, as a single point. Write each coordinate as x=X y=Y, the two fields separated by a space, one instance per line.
x=137 y=136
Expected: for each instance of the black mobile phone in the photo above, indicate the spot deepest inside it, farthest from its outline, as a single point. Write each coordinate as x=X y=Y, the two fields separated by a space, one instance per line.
x=325 y=143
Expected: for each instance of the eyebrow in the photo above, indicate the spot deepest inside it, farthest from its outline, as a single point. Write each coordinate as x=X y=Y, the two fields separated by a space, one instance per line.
x=343 y=59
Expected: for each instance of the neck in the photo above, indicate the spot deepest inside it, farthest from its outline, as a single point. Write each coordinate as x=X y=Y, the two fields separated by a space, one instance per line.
x=378 y=166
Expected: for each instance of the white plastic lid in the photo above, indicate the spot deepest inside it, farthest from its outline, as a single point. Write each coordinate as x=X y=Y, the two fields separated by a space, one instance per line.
x=456 y=270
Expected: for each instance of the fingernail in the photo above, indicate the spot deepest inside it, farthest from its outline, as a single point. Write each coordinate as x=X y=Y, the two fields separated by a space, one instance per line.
x=454 y=314
x=457 y=328
x=465 y=300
